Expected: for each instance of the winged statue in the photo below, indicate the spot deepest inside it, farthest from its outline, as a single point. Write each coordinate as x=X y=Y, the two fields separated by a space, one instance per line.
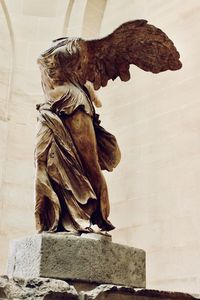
x=72 y=148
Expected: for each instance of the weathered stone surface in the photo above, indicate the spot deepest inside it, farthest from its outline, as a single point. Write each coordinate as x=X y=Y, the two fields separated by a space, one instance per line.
x=52 y=289
x=3 y=283
x=77 y=258
x=113 y=292
x=25 y=257
x=97 y=237
x=36 y=288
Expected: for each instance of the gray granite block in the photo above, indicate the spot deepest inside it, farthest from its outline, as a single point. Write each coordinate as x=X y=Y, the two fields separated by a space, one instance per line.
x=78 y=258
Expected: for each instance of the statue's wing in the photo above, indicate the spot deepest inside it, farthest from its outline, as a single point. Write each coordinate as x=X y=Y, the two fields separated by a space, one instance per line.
x=134 y=42
x=100 y=60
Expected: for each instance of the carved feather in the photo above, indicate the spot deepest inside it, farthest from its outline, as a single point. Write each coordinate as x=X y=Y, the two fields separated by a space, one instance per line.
x=134 y=42
x=98 y=61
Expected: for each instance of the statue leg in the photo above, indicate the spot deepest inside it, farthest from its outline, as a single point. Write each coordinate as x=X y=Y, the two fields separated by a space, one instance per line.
x=82 y=131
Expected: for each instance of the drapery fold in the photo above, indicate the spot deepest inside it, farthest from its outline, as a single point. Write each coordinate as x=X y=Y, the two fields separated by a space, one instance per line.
x=65 y=199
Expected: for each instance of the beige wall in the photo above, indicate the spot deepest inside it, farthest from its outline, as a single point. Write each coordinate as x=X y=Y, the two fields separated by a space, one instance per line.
x=155 y=190
x=33 y=28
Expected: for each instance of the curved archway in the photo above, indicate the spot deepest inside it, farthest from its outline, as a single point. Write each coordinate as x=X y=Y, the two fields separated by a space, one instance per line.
x=84 y=18
x=93 y=16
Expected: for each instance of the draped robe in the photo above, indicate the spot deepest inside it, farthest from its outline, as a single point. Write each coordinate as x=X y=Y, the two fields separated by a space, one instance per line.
x=65 y=199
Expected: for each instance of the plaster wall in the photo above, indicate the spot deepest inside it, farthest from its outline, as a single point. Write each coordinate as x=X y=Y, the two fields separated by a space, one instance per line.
x=156 y=118
x=33 y=27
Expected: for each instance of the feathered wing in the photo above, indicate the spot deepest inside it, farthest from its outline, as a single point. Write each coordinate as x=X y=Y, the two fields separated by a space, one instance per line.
x=134 y=42
x=97 y=61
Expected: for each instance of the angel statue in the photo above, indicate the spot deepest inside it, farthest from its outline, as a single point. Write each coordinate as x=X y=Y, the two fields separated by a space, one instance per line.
x=71 y=147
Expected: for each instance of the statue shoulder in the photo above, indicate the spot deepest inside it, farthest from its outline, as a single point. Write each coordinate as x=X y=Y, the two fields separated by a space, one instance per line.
x=59 y=61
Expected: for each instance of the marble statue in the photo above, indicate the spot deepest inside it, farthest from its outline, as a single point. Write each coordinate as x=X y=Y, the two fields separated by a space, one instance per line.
x=72 y=148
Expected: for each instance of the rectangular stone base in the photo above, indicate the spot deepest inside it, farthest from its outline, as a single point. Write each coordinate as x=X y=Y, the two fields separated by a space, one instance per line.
x=88 y=258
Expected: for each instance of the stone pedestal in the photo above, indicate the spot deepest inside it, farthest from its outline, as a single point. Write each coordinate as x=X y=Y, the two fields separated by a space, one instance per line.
x=86 y=267
x=89 y=258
